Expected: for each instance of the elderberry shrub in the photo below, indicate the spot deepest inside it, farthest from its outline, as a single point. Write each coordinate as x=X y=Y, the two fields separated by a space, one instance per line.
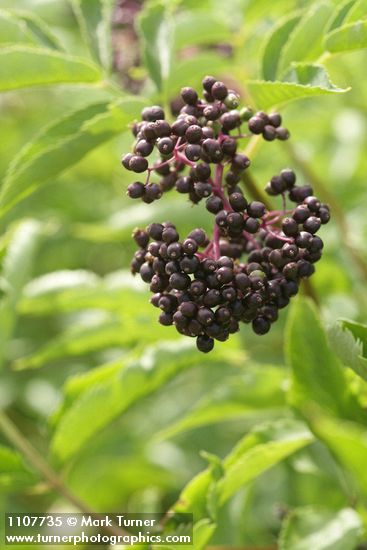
x=254 y=261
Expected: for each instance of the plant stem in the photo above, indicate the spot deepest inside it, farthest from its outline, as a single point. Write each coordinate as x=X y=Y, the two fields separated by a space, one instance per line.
x=31 y=454
x=337 y=212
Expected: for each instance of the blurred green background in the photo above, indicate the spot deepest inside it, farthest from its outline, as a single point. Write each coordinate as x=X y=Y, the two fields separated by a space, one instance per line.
x=88 y=376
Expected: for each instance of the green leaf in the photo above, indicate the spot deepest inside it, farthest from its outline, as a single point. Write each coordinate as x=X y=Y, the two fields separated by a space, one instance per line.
x=274 y=45
x=95 y=20
x=348 y=349
x=357 y=12
x=66 y=291
x=254 y=395
x=268 y=94
x=258 y=452
x=17 y=268
x=318 y=378
x=14 y=30
x=155 y=28
x=305 y=42
x=348 y=37
x=137 y=378
x=359 y=331
x=311 y=75
x=320 y=529
x=124 y=476
x=107 y=334
x=196 y=28
x=340 y=15
x=24 y=66
x=62 y=144
x=348 y=443
x=13 y=471
x=262 y=448
x=25 y=26
x=203 y=532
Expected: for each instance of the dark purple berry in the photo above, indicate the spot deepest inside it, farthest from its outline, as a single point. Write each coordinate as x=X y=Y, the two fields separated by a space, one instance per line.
x=153 y=113
x=290 y=227
x=269 y=133
x=125 y=161
x=138 y=164
x=219 y=90
x=256 y=209
x=204 y=343
x=189 y=95
x=136 y=190
x=179 y=281
x=198 y=235
x=312 y=224
x=165 y=145
x=256 y=125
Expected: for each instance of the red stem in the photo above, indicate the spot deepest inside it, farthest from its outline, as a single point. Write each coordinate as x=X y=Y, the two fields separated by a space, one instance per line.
x=216 y=246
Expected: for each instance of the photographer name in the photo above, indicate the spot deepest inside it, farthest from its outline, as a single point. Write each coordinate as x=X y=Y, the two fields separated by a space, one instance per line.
x=121 y=521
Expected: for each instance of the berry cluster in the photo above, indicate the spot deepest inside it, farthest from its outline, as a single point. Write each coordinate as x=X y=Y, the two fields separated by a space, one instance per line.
x=254 y=262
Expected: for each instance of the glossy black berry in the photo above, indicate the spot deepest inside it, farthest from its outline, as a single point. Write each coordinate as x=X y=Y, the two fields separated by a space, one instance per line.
x=219 y=90
x=165 y=145
x=290 y=227
x=312 y=224
x=256 y=125
x=256 y=209
x=189 y=95
x=301 y=213
x=275 y=119
x=125 y=161
x=214 y=204
x=229 y=146
x=193 y=152
x=169 y=235
x=138 y=164
x=193 y=134
x=204 y=343
x=152 y=113
x=289 y=177
x=144 y=148
x=269 y=132
x=136 y=190
x=198 y=235
x=251 y=225
x=208 y=82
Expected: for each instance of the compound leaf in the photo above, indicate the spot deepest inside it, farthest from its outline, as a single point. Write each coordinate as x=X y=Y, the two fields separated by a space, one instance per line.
x=348 y=349
x=262 y=448
x=304 y=81
x=352 y=36
x=26 y=27
x=155 y=27
x=305 y=42
x=94 y=17
x=348 y=443
x=321 y=529
x=62 y=144
x=25 y=66
x=318 y=378
x=275 y=44
x=255 y=394
x=136 y=378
